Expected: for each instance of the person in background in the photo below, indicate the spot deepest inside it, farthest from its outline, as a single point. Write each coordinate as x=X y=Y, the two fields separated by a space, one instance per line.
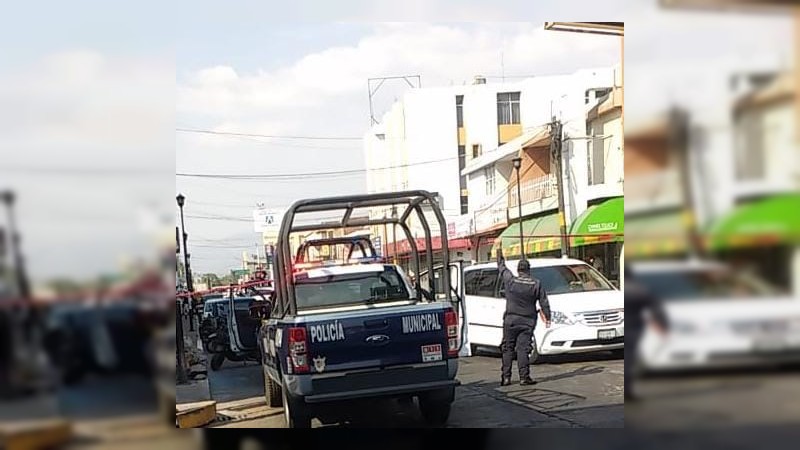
x=522 y=293
x=597 y=263
x=642 y=308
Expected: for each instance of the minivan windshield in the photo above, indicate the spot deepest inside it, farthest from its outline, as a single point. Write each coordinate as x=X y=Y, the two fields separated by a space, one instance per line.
x=348 y=289
x=570 y=278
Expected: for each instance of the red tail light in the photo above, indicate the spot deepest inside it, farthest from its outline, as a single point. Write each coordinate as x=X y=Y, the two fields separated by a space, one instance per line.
x=451 y=324
x=298 y=349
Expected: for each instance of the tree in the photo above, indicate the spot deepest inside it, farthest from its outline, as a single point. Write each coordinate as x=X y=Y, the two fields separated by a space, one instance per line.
x=65 y=287
x=211 y=278
x=228 y=279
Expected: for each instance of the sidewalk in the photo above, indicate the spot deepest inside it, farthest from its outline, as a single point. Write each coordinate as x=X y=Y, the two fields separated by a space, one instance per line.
x=193 y=402
x=33 y=422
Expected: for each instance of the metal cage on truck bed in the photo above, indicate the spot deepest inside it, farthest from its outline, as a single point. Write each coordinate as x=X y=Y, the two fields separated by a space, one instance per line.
x=413 y=202
x=362 y=243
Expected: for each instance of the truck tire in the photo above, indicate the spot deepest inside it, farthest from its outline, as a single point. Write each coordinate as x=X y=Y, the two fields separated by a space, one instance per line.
x=435 y=406
x=217 y=360
x=294 y=412
x=272 y=392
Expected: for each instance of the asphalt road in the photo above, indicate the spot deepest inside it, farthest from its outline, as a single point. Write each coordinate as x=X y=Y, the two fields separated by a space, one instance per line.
x=573 y=392
x=690 y=401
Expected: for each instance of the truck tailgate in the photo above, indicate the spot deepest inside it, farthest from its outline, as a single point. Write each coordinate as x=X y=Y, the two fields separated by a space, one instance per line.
x=377 y=337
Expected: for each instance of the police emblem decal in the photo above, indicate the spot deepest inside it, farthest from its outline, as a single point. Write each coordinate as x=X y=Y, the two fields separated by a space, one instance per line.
x=319 y=363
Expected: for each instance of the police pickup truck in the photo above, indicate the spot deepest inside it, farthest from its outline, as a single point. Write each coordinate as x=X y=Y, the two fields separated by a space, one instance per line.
x=357 y=329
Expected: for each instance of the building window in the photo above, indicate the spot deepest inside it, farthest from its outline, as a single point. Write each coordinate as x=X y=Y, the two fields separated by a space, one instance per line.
x=488 y=173
x=460 y=110
x=476 y=150
x=597 y=157
x=508 y=108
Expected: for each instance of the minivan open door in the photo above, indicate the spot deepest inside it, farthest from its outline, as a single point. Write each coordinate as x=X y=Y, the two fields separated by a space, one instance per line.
x=457 y=285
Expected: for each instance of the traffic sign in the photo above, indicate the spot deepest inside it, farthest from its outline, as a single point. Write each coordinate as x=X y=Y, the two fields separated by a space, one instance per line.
x=239 y=272
x=265 y=220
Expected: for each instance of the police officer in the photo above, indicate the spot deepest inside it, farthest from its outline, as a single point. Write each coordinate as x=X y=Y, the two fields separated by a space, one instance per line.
x=522 y=293
x=638 y=302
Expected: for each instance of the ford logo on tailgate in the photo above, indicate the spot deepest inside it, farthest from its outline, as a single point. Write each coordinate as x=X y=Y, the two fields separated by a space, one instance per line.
x=377 y=339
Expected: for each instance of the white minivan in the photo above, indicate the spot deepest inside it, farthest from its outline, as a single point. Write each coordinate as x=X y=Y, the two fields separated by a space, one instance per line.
x=588 y=312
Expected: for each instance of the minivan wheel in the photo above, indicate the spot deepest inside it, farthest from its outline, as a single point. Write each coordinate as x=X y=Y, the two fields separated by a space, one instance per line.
x=293 y=412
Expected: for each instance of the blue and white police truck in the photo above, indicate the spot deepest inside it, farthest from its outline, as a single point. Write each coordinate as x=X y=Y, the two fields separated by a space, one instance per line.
x=360 y=327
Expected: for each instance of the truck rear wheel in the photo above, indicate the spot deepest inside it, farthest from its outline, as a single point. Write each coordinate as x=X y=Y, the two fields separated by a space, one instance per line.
x=294 y=412
x=435 y=406
x=272 y=391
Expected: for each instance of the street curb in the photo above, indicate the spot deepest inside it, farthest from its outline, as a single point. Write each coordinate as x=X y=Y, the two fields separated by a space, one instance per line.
x=35 y=435
x=194 y=415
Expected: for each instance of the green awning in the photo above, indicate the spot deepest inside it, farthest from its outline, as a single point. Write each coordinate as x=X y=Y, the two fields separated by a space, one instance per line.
x=773 y=221
x=657 y=234
x=604 y=222
x=541 y=234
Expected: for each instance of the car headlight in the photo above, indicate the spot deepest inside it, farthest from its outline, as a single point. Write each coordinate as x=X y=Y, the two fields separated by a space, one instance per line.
x=561 y=318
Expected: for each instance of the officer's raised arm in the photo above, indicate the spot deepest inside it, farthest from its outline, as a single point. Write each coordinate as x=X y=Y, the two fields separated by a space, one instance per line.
x=503 y=272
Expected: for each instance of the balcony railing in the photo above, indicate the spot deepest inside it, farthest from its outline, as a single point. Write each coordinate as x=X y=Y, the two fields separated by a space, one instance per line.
x=534 y=189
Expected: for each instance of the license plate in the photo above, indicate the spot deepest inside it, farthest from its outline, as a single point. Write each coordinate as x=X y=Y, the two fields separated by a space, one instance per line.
x=431 y=352
x=606 y=334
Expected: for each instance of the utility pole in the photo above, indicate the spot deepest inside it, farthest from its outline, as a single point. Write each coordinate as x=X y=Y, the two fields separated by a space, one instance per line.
x=517 y=164
x=679 y=146
x=386 y=239
x=556 y=152
x=394 y=235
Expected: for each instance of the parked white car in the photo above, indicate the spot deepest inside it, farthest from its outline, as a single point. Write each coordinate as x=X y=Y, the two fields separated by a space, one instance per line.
x=718 y=318
x=588 y=312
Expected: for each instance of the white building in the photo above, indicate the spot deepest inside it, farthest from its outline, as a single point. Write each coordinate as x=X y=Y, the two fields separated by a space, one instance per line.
x=451 y=140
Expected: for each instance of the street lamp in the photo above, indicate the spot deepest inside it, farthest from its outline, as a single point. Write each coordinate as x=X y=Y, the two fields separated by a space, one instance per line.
x=7 y=197
x=181 y=369
x=517 y=164
x=187 y=270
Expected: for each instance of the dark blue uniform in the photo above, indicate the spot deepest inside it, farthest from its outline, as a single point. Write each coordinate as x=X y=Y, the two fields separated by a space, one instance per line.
x=522 y=293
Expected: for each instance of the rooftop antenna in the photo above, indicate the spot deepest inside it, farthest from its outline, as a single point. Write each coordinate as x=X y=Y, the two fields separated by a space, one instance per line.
x=373 y=84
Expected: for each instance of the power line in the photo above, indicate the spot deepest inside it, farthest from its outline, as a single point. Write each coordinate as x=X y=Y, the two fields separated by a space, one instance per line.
x=68 y=171
x=229 y=219
x=305 y=174
x=271 y=136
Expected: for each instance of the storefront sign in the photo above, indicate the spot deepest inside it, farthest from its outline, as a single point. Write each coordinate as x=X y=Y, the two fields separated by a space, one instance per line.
x=459 y=227
x=491 y=218
x=602 y=227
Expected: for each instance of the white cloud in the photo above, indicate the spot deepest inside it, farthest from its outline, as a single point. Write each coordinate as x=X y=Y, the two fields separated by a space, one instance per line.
x=84 y=110
x=335 y=79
